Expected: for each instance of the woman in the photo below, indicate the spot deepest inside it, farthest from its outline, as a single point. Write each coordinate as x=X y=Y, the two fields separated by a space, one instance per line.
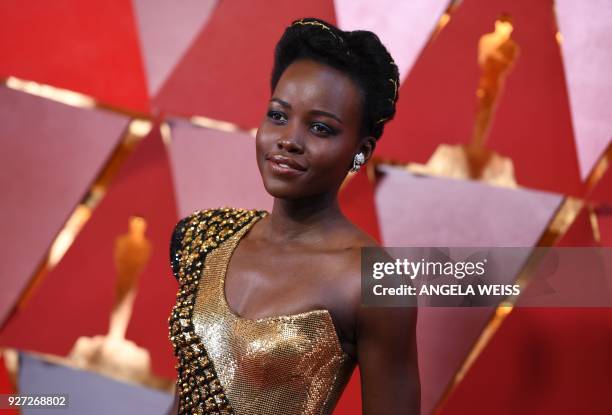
x=268 y=317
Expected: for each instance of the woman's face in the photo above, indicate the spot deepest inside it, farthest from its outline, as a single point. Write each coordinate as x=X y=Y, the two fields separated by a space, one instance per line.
x=310 y=134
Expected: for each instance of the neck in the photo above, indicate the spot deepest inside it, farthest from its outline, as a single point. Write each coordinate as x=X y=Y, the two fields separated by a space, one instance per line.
x=307 y=220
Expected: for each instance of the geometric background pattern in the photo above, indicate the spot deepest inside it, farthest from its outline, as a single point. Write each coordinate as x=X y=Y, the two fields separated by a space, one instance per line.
x=196 y=73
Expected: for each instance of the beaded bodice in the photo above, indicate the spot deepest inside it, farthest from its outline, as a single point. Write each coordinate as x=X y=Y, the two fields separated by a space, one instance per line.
x=228 y=364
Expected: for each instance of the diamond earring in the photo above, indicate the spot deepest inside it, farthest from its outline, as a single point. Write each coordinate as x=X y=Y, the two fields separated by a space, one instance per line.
x=358 y=160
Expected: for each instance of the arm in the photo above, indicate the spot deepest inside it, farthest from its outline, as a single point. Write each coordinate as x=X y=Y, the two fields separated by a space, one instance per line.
x=387 y=354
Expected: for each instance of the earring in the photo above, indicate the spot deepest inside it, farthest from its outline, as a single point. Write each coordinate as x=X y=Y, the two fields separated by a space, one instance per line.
x=358 y=160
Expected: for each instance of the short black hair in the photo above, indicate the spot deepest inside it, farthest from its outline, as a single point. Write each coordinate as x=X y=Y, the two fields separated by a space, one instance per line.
x=359 y=53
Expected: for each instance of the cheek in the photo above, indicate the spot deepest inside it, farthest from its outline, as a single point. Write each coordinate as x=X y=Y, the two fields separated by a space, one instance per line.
x=261 y=140
x=259 y=149
x=331 y=159
x=265 y=135
x=264 y=142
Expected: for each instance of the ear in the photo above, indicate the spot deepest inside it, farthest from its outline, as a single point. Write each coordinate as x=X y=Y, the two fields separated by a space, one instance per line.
x=367 y=146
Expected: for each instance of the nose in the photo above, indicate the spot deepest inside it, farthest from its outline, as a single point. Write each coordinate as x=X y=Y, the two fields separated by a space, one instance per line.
x=290 y=144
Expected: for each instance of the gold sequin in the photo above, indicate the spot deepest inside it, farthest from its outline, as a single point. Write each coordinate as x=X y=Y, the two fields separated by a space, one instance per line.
x=232 y=365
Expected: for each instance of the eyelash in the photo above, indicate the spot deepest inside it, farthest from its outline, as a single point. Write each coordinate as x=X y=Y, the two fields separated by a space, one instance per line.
x=271 y=115
x=328 y=131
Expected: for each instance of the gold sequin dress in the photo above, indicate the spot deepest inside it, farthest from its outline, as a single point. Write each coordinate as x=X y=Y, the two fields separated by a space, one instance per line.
x=228 y=364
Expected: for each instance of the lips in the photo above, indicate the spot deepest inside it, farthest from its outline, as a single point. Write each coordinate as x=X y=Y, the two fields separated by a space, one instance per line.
x=285 y=162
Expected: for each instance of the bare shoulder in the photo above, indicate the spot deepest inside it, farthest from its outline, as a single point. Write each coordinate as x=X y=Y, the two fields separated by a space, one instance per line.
x=350 y=262
x=362 y=239
x=377 y=324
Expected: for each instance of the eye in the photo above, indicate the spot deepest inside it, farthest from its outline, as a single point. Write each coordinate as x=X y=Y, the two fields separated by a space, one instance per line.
x=322 y=129
x=277 y=117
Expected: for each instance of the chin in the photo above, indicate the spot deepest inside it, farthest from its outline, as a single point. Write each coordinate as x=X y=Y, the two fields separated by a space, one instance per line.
x=282 y=190
x=282 y=187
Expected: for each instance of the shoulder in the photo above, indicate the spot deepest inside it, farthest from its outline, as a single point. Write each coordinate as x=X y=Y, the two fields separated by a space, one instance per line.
x=187 y=226
x=214 y=219
x=346 y=268
x=374 y=324
x=352 y=261
x=203 y=230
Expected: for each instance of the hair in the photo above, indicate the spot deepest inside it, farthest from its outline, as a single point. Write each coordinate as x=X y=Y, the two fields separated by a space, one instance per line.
x=359 y=54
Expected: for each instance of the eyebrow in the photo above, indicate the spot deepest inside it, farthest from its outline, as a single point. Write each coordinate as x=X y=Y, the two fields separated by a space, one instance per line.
x=316 y=112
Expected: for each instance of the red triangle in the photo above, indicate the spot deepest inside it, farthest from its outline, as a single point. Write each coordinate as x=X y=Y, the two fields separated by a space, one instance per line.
x=532 y=125
x=357 y=202
x=6 y=386
x=226 y=73
x=89 y=47
x=602 y=192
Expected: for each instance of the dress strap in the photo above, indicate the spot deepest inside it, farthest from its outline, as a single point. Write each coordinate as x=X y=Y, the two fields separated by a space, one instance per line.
x=196 y=235
x=200 y=390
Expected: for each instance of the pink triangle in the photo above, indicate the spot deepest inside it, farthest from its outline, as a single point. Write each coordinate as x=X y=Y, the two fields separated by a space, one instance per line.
x=166 y=30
